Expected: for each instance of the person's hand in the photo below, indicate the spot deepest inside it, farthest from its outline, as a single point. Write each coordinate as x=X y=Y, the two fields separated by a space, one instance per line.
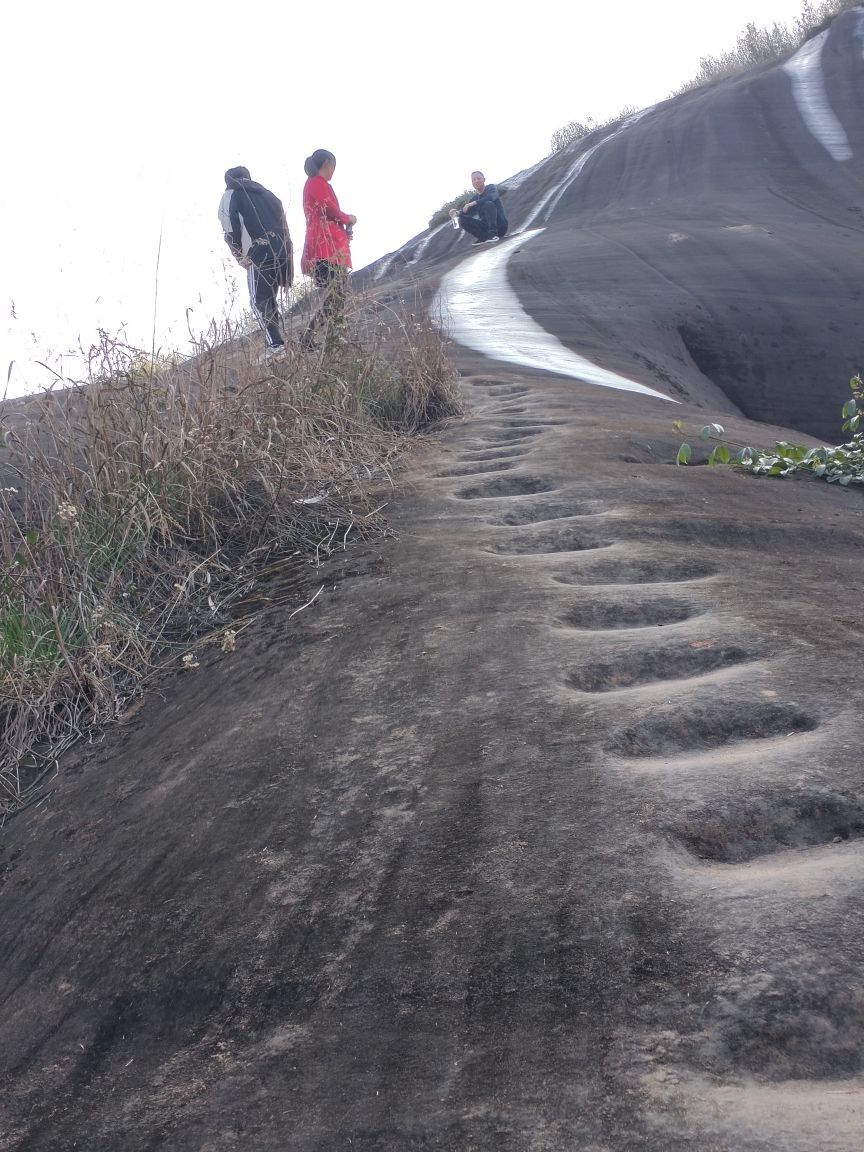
x=352 y=220
x=466 y=207
x=244 y=261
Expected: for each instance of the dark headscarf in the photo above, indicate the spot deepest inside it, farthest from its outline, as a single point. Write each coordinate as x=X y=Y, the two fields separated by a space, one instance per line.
x=314 y=163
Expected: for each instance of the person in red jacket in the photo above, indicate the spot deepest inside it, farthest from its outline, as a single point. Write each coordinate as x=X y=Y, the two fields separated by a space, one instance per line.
x=327 y=250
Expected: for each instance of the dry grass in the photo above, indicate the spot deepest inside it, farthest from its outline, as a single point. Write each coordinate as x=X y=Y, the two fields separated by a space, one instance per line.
x=754 y=45
x=579 y=129
x=139 y=510
x=759 y=45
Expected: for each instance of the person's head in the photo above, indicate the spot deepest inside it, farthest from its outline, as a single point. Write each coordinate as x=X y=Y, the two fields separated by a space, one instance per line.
x=320 y=163
x=478 y=181
x=234 y=175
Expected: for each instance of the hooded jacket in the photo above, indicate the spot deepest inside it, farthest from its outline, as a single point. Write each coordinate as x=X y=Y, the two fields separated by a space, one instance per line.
x=254 y=225
x=490 y=195
x=326 y=223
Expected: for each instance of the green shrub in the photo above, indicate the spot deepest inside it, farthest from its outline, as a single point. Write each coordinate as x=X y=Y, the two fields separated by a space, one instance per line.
x=440 y=217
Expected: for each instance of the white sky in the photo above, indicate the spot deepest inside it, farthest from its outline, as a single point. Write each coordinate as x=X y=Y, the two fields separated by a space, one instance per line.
x=119 y=123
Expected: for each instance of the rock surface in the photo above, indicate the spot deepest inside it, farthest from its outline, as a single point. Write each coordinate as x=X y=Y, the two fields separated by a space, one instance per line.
x=543 y=827
x=710 y=247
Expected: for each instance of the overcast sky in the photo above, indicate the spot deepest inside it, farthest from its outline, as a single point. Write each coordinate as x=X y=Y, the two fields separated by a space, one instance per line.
x=119 y=123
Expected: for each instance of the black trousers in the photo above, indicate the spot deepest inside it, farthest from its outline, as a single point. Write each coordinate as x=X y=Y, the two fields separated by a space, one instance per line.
x=265 y=281
x=331 y=279
x=484 y=224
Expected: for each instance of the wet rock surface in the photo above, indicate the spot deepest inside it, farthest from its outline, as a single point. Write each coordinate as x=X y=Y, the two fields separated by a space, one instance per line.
x=491 y=847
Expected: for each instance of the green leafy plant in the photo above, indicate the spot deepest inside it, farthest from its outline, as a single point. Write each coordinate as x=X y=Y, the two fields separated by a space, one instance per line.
x=841 y=464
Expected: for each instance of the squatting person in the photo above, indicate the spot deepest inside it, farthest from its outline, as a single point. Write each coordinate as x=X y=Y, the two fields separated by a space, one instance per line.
x=483 y=216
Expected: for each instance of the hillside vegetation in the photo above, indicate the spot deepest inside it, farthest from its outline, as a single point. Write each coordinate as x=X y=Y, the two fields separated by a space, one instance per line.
x=754 y=45
x=138 y=510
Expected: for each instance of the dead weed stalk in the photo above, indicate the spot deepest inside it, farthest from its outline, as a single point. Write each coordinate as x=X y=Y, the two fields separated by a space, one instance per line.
x=138 y=509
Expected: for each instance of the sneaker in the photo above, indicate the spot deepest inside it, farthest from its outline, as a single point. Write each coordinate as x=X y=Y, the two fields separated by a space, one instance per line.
x=492 y=239
x=477 y=243
x=272 y=352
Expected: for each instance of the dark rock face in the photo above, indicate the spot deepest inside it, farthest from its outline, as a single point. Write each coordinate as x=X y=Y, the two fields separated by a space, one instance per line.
x=544 y=830
x=715 y=240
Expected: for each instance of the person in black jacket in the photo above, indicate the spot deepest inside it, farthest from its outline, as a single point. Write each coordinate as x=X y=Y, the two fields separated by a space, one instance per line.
x=483 y=216
x=255 y=229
